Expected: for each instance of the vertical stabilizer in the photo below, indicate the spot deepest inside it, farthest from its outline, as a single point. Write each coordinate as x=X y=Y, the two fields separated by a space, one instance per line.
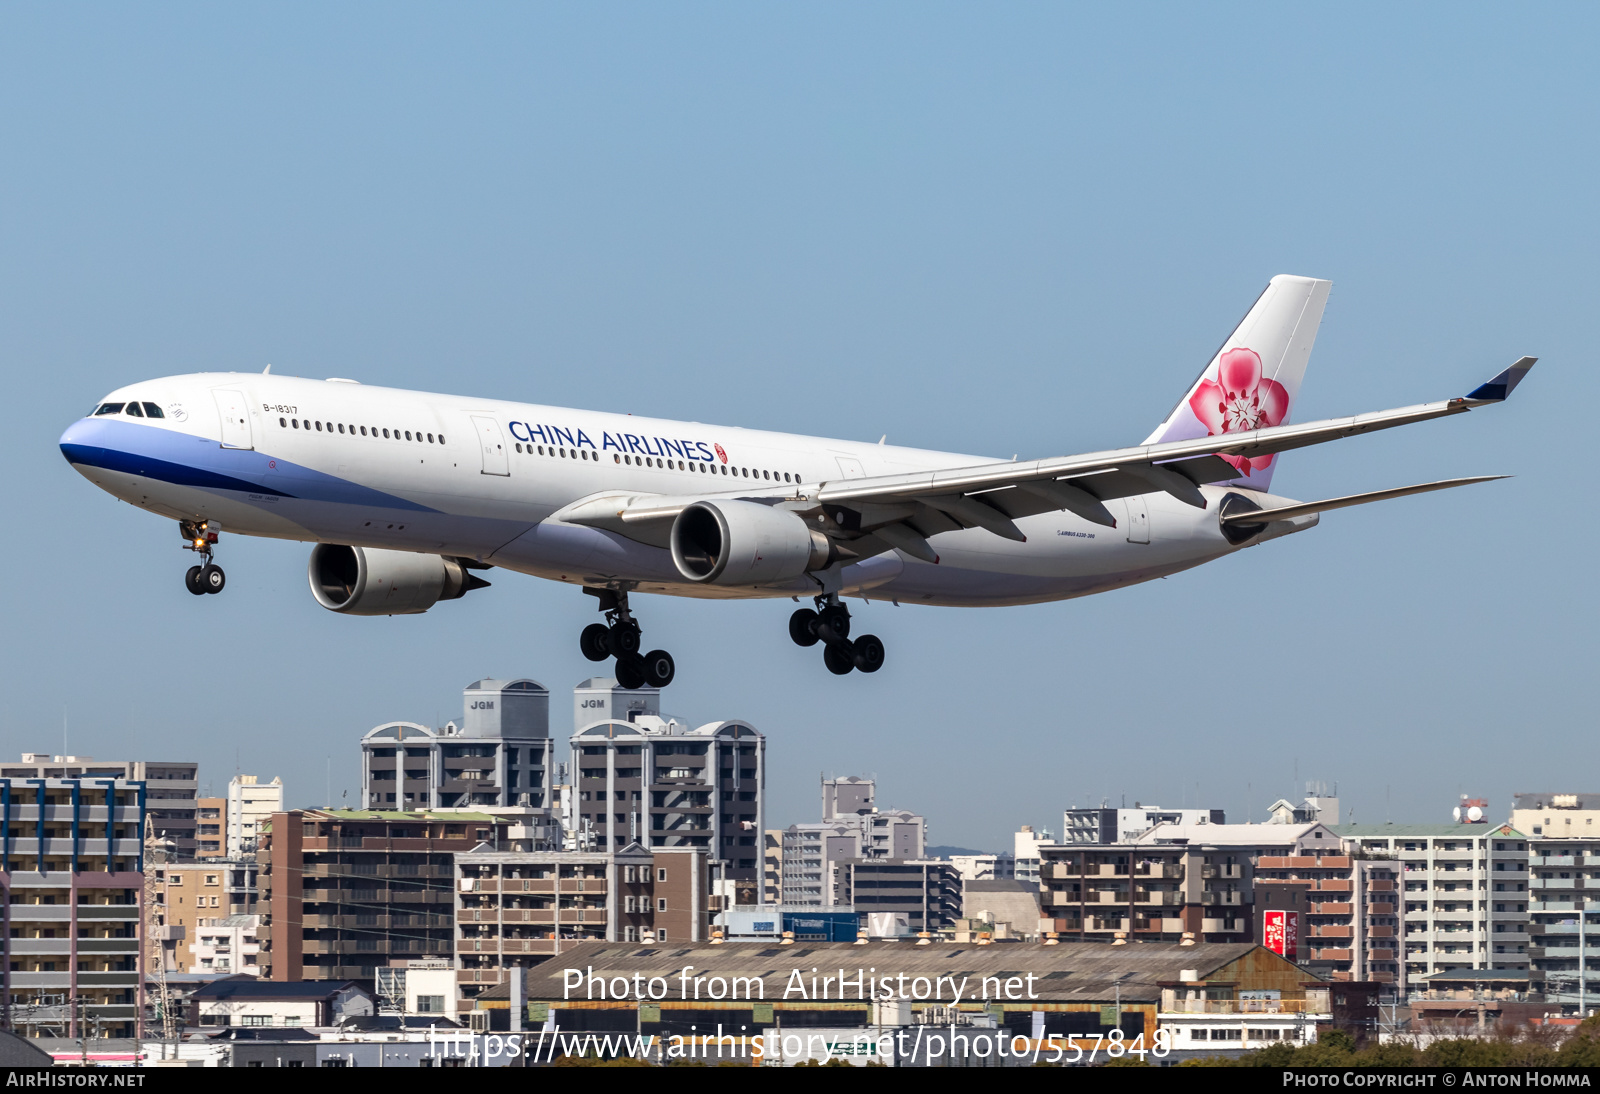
x=1254 y=378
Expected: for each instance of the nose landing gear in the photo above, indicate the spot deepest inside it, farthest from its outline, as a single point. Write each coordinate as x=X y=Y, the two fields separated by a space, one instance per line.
x=830 y=623
x=620 y=637
x=207 y=577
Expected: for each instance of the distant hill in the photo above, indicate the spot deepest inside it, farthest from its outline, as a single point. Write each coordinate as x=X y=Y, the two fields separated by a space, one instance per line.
x=945 y=851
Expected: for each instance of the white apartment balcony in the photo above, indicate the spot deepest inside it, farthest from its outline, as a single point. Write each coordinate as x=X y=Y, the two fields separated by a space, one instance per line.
x=1552 y=883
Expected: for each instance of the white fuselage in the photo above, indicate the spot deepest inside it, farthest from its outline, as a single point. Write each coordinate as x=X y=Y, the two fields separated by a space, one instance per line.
x=481 y=478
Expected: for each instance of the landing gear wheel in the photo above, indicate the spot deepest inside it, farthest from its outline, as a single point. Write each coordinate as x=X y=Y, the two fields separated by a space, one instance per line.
x=624 y=640
x=212 y=579
x=869 y=653
x=630 y=671
x=595 y=641
x=833 y=622
x=191 y=581
x=803 y=627
x=658 y=668
x=840 y=657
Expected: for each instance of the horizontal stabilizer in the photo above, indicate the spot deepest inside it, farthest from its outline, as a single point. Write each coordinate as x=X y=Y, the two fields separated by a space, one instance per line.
x=1289 y=512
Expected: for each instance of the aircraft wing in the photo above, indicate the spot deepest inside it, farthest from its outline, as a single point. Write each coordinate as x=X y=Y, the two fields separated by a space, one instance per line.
x=993 y=495
x=901 y=511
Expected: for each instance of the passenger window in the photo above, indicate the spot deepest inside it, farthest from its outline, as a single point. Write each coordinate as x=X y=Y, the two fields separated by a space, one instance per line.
x=319 y=427
x=616 y=457
x=518 y=447
x=294 y=423
x=385 y=434
x=109 y=408
x=765 y=475
x=283 y=423
x=341 y=427
x=133 y=409
x=408 y=434
x=363 y=431
x=430 y=438
x=441 y=438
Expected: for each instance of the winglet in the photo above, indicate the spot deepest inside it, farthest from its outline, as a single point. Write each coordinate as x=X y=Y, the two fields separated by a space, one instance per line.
x=1500 y=388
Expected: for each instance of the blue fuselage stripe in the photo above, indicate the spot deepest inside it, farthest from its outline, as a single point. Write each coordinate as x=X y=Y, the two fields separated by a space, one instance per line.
x=132 y=463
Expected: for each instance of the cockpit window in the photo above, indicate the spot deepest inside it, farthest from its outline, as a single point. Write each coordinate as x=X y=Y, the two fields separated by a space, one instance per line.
x=133 y=409
x=109 y=408
x=152 y=411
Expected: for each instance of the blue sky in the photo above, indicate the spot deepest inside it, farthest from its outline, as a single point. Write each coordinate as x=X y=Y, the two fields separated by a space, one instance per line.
x=992 y=229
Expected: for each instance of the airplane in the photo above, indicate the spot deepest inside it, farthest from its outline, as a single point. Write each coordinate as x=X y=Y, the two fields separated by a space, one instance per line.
x=409 y=496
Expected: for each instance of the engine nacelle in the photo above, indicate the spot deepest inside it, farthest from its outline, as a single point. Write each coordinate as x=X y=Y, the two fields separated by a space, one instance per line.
x=745 y=543
x=364 y=581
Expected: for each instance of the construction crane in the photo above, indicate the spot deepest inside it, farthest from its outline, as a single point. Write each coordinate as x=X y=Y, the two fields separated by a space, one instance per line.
x=155 y=931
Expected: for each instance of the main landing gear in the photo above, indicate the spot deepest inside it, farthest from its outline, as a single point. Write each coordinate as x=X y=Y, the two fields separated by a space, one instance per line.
x=619 y=637
x=207 y=577
x=830 y=623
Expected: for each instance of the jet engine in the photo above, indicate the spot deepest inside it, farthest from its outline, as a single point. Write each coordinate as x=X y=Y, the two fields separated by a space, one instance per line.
x=364 y=581
x=745 y=543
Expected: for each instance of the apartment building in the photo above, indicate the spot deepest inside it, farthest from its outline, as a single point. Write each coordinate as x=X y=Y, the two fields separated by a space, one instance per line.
x=226 y=945
x=74 y=862
x=170 y=789
x=250 y=803
x=499 y=755
x=657 y=782
x=1001 y=867
x=852 y=827
x=927 y=892
x=810 y=856
x=1563 y=895
x=1465 y=893
x=1175 y=879
x=186 y=894
x=211 y=828
x=343 y=891
x=1103 y=824
x=1351 y=929
x=1026 y=855
x=517 y=909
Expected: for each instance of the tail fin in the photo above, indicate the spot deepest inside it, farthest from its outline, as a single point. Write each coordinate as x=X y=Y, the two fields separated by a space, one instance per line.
x=1254 y=378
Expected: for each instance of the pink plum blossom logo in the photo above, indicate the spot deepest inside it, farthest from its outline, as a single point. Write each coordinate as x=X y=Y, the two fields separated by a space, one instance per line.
x=1240 y=399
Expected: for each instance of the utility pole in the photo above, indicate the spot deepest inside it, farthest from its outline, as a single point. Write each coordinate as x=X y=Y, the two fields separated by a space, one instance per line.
x=155 y=851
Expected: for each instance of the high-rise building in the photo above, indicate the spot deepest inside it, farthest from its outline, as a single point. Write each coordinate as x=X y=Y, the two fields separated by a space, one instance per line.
x=848 y=796
x=660 y=783
x=852 y=827
x=1465 y=893
x=75 y=886
x=170 y=789
x=499 y=755
x=211 y=828
x=1563 y=895
x=344 y=891
x=250 y=803
x=602 y=699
